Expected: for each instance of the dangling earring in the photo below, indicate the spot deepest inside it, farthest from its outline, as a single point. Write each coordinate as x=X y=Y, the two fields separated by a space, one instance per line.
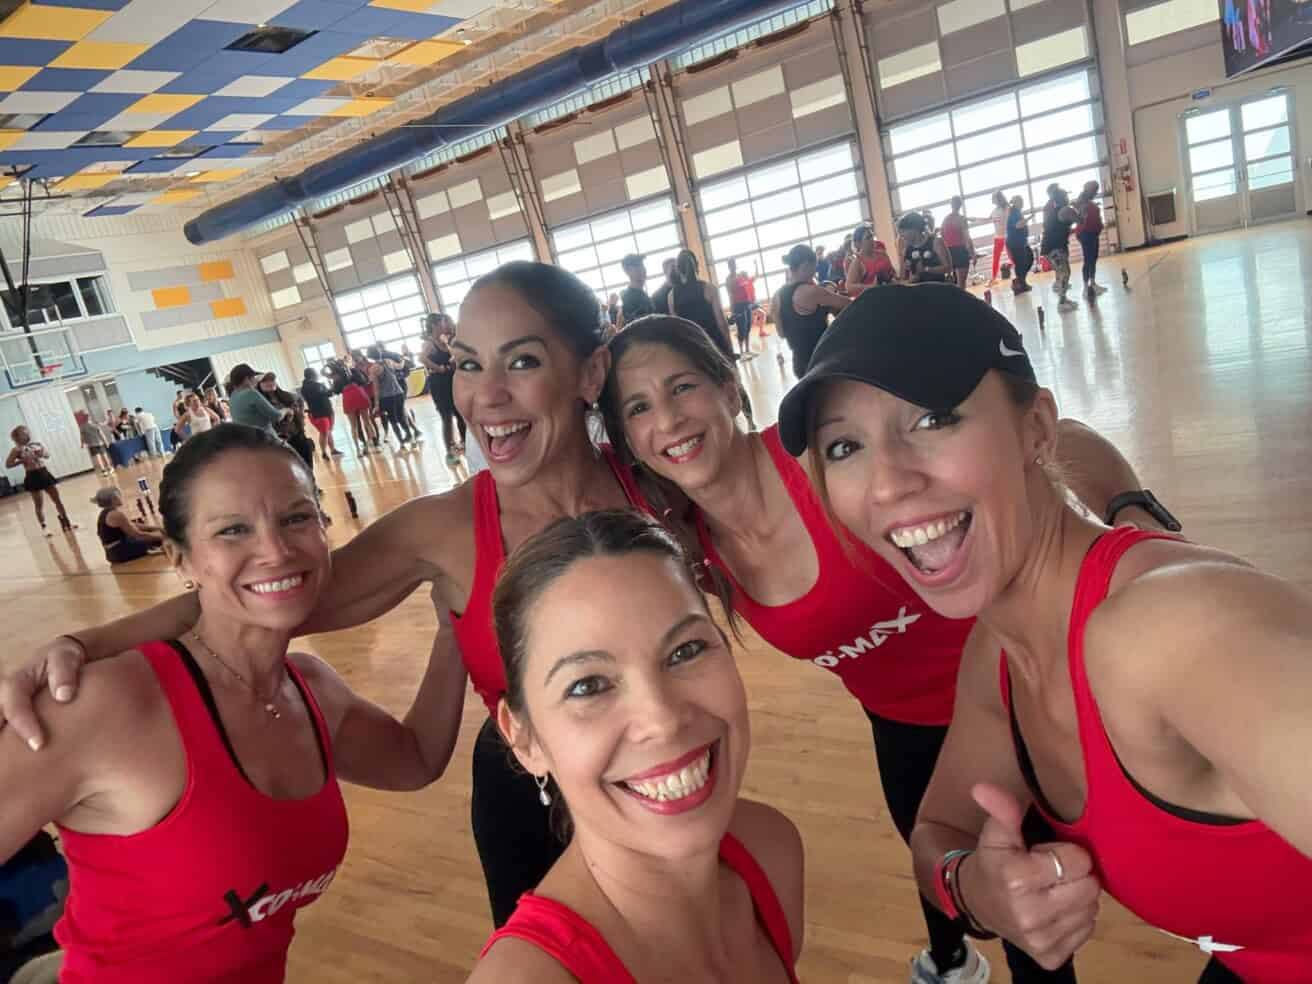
x=544 y=797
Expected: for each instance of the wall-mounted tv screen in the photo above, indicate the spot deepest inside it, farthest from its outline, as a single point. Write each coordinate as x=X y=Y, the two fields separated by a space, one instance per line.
x=1258 y=32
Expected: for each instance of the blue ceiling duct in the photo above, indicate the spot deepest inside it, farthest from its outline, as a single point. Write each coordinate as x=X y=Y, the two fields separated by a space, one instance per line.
x=637 y=43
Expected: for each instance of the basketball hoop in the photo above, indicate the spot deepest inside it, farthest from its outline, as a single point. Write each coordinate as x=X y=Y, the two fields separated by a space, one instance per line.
x=50 y=370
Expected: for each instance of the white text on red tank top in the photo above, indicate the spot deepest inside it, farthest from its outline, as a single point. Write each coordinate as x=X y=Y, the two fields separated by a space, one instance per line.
x=250 y=911
x=879 y=634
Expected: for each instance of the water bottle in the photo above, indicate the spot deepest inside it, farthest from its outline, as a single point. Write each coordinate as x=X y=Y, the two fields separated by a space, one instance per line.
x=988 y=296
x=351 y=506
x=1125 y=278
x=1042 y=318
x=141 y=511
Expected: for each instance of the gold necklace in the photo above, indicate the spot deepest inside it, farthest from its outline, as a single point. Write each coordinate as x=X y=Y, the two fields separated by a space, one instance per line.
x=268 y=703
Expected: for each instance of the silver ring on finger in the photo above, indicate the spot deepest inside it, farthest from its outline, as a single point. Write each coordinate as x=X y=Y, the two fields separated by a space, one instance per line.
x=1056 y=863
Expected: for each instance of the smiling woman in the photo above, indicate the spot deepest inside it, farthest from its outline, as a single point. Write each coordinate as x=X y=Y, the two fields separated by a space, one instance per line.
x=145 y=772
x=642 y=722
x=529 y=362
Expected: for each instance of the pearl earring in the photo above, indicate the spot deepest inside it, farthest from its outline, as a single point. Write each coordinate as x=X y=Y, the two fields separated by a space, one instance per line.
x=189 y=585
x=544 y=797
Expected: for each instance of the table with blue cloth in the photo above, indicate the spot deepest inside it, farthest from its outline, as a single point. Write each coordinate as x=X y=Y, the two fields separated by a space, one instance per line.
x=123 y=453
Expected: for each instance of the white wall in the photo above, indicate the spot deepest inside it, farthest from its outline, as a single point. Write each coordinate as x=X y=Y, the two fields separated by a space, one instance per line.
x=1161 y=88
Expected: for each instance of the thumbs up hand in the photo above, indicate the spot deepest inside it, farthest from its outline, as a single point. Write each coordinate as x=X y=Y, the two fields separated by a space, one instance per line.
x=1043 y=899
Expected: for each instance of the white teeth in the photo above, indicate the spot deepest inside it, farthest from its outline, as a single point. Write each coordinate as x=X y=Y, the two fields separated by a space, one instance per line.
x=677 y=785
x=918 y=536
x=505 y=430
x=271 y=587
x=679 y=450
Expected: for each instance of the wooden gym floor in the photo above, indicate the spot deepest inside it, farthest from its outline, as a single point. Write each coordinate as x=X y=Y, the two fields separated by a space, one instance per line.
x=1201 y=372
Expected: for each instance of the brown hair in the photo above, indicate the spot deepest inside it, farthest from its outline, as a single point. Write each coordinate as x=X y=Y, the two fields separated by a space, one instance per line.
x=664 y=498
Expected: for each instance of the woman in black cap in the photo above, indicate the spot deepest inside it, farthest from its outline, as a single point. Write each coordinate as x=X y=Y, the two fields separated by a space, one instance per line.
x=802 y=308
x=1100 y=682
x=924 y=257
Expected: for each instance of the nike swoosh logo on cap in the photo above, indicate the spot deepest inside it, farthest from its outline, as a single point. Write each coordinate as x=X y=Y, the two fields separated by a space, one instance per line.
x=1006 y=352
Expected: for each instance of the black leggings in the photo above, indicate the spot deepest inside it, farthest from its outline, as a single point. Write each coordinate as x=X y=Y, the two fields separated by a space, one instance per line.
x=127 y=549
x=512 y=829
x=440 y=387
x=906 y=754
x=1090 y=244
x=393 y=410
x=1022 y=259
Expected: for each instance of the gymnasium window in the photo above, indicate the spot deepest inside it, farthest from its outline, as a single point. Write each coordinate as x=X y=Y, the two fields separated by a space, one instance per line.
x=455 y=277
x=315 y=356
x=756 y=216
x=1018 y=141
x=909 y=64
x=592 y=249
x=59 y=302
x=387 y=313
x=1162 y=19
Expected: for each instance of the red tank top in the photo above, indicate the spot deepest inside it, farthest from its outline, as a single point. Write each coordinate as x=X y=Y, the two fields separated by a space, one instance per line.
x=954 y=231
x=860 y=619
x=1235 y=890
x=579 y=948
x=473 y=629
x=208 y=894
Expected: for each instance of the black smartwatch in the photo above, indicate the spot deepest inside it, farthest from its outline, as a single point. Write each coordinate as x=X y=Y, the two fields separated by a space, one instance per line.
x=1145 y=500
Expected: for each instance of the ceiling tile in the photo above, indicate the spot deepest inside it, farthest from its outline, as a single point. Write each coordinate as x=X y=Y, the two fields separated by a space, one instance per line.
x=240 y=121
x=247 y=11
x=99 y=54
x=315 y=14
x=414 y=6
x=311 y=107
x=209 y=177
x=137 y=122
x=110 y=5
x=63 y=79
x=175 y=197
x=159 y=103
x=460 y=8
x=52 y=23
x=85 y=182
x=342 y=69
x=161 y=138
x=13 y=76
x=48 y=140
x=187 y=46
x=104 y=210
x=36 y=102
x=130 y=80
x=149 y=21
x=426 y=53
x=286 y=122
x=22 y=51
x=10 y=137
x=361 y=107
x=253 y=86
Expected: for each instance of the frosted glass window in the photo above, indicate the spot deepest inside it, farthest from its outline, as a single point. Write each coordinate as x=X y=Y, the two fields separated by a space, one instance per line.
x=651 y=214
x=831 y=189
x=727 y=219
x=286 y=297
x=723 y=193
x=465 y=194
x=1059 y=125
x=635 y=132
x=759 y=87
x=652 y=181
x=1054 y=94
x=767 y=179
x=1166 y=18
x=1266 y=143
x=991 y=176
x=358 y=232
x=383 y=312
x=434 y=204
x=1209 y=156
x=818 y=96
x=920 y=133
x=444 y=246
x=337 y=259
x=592 y=248
x=1215 y=185
x=397 y=261
x=984 y=115
x=382 y=222
x=594 y=147
x=707 y=106
x=1208 y=126
x=1053 y=51
x=961 y=14
x=562 y=185
x=501 y=206
x=985 y=146
x=1265 y=112
x=786 y=202
x=1073 y=153
x=455 y=278
x=918 y=194
x=725 y=157
x=303 y=273
x=275 y=262
x=1269 y=174
x=910 y=64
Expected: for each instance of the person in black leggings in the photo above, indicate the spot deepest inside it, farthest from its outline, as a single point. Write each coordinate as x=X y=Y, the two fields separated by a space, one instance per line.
x=391 y=397
x=439 y=329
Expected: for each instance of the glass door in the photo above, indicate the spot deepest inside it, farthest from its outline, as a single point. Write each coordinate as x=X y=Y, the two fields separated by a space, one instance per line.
x=1241 y=164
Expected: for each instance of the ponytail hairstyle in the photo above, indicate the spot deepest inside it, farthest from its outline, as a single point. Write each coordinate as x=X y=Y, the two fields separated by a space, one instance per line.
x=685 y=267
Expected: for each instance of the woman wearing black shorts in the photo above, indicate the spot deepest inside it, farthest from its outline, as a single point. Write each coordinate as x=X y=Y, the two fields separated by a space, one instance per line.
x=37 y=478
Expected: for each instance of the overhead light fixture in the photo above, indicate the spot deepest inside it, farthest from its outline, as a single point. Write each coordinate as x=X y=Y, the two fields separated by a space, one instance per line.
x=191 y=174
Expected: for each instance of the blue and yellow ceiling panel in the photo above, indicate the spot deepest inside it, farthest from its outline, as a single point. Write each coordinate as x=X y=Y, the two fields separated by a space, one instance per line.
x=99 y=94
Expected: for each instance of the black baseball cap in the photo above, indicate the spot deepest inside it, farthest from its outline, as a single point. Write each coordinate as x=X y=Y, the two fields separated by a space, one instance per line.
x=928 y=344
x=239 y=374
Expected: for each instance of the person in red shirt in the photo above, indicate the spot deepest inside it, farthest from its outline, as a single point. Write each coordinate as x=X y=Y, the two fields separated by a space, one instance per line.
x=670 y=401
x=195 y=781
x=869 y=264
x=742 y=298
x=1089 y=233
x=631 y=715
x=1148 y=695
